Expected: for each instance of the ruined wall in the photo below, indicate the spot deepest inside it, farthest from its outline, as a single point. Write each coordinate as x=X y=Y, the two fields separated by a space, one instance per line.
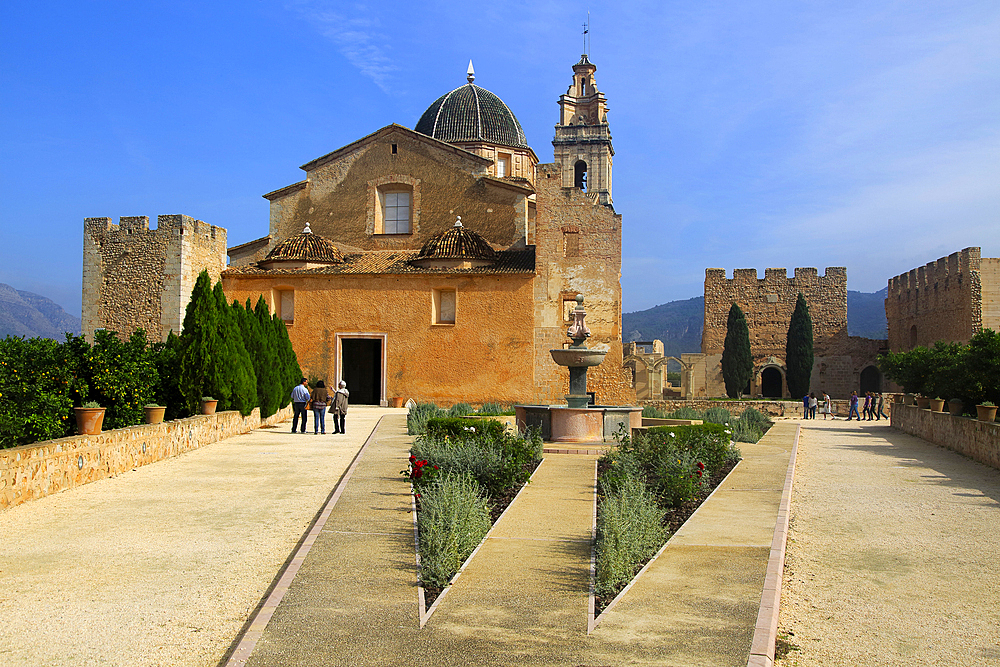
x=486 y=355
x=940 y=301
x=134 y=276
x=339 y=197
x=578 y=251
x=768 y=304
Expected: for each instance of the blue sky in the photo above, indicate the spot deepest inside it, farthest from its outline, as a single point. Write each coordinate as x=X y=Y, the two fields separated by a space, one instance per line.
x=857 y=134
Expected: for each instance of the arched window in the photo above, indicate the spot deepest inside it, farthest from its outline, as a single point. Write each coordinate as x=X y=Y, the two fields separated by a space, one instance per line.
x=580 y=175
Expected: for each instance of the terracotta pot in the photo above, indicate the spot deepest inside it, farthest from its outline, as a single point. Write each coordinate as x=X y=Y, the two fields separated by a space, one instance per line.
x=208 y=407
x=923 y=403
x=986 y=413
x=397 y=401
x=937 y=404
x=89 y=420
x=154 y=413
x=956 y=407
x=908 y=399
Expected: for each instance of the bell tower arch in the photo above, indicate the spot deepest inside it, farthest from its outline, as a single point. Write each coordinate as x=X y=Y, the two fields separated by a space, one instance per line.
x=582 y=145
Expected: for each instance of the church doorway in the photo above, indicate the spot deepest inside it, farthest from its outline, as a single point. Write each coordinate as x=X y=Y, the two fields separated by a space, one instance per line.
x=871 y=380
x=361 y=368
x=770 y=382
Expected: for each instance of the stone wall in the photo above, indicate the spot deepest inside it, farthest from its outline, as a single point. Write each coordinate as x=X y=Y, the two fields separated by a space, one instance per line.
x=969 y=437
x=773 y=408
x=137 y=277
x=940 y=301
x=33 y=471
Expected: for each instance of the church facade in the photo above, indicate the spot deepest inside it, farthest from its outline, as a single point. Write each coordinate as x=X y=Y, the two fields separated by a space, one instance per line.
x=441 y=263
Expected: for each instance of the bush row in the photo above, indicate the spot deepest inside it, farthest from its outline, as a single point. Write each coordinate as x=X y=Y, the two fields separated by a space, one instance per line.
x=418 y=415
x=748 y=427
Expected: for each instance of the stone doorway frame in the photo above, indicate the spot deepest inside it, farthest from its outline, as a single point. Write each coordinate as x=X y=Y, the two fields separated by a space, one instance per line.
x=338 y=361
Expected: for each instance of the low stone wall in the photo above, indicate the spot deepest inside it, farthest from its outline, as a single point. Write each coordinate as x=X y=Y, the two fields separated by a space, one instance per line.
x=773 y=408
x=36 y=470
x=973 y=438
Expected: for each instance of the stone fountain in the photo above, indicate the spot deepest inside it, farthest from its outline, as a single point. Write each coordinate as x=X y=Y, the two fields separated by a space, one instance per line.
x=578 y=421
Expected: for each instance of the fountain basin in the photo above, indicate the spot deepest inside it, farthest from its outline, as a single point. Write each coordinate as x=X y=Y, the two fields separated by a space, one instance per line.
x=578 y=357
x=594 y=424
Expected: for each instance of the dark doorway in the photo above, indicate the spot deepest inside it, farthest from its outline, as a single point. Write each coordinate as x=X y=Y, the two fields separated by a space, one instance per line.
x=871 y=380
x=362 y=369
x=770 y=383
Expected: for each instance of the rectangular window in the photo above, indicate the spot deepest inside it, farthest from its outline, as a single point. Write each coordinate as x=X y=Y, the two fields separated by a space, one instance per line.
x=503 y=165
x=396 y=213
x=286 y=305
x=444 y=306
x=572 y=244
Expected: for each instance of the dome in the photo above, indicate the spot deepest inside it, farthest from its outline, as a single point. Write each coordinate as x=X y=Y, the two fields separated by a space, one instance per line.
x=305 y=248
x=456 y=246
x=469 y=114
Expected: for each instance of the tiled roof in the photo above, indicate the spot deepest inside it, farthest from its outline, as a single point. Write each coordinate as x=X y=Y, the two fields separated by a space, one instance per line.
x=471 y=113
x=307 y=247
x=457 y=242
x=399 y=262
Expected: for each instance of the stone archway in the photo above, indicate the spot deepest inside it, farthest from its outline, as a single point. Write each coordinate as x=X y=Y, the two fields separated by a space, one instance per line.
x=771 y=382
x=871 y=380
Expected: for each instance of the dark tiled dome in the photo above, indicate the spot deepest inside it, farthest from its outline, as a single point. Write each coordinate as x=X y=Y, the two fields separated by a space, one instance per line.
x=470 y=113
x=305 y=247
x=457 y=243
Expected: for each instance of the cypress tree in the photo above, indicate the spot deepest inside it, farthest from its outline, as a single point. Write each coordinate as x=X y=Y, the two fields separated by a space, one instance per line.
x=239 y=375
x=737 y=360
x=258 y=343
x=200 y=347
x=286 y=357
x=799 y=350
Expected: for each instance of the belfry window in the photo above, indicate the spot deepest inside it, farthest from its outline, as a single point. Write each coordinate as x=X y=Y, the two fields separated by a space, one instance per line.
x=580 y=175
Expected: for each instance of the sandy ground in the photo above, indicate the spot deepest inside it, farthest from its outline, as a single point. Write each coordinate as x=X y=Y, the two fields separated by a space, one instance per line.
x=163 y=565
x=892 y=556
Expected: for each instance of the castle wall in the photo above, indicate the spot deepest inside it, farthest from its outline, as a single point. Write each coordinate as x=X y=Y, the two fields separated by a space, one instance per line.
x=940 y=301
x=989 y=269
x=578 y=250
x=136 y=277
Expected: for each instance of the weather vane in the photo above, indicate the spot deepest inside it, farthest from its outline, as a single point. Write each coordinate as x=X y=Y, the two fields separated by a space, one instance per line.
x=586 y=31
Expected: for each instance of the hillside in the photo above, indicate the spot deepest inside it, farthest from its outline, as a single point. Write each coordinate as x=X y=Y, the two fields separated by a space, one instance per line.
x=679 y=323
x=33 y=316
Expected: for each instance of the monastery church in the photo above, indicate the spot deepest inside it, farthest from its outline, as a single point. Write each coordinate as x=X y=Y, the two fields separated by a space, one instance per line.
x=438 y=264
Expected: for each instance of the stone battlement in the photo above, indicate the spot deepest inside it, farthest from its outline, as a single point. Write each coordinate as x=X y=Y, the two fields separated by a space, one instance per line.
x=132 y=224
x=833 y=273
x=956 y=265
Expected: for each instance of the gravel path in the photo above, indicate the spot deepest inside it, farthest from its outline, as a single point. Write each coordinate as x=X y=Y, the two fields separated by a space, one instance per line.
x=892 y=556
x=163 y=565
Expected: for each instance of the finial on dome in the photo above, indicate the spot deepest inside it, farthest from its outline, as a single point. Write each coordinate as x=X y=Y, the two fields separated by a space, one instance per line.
x=307 y=230
x=471 y=74
x=458 y=221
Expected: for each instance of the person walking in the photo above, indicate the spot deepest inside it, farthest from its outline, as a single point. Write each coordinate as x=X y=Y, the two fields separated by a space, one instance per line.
x=867 y=410
x=854 y=407
x=813 y=402
x=320 y=397
x=805 y=406
x=339 y=407
x=300 y=396
x=881 y=408
x=827 y=405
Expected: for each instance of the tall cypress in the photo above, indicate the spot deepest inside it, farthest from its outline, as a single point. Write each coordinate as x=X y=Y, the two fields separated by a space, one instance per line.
x=239 y=375
x=200 y=348
x=799 y=350
x=286 y=357
x=737 y=360
x=259 y=345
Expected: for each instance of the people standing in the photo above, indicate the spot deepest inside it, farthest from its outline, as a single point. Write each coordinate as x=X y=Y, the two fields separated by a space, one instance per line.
x=339 y=408
x=813 y=402
x=854 y=407
x=805 y=406
x=320 y=397
x=300 y=396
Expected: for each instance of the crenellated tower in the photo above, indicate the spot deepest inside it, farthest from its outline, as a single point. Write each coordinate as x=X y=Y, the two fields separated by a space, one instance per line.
x=582 y=145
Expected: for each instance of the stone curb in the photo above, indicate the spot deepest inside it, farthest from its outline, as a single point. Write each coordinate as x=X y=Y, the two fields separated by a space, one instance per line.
x=255 y=630
x=765 y=632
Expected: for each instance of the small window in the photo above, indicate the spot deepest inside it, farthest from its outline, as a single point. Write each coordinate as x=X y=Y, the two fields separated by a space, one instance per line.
x=569 y=305
x=503 y=165
x=285 y=305
x=571 y=244
x=395 y=212
x=394 y=149
x=444 y=306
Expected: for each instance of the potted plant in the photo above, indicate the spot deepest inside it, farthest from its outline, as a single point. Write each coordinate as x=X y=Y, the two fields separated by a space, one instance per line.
x=986 y=411
x=154 y=413
x=923 y=402
x=208 y=405
x=89 y=418
x=908 y=399
x=956 y=407
x=937 y=404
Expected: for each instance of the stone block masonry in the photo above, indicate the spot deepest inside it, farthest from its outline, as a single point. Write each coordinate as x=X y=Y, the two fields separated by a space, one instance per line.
x=136 y=277
x=33 y=471
x=969 y=437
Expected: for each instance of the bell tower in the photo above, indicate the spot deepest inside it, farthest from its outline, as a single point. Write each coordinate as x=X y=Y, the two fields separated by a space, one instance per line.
x=582 y=146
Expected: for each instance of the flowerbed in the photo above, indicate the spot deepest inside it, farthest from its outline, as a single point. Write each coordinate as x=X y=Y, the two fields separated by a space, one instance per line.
x=464 y=474
x=647 y=487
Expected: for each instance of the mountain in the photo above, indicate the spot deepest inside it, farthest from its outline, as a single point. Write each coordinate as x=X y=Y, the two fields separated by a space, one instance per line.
x=679 y=323
x=33 y=315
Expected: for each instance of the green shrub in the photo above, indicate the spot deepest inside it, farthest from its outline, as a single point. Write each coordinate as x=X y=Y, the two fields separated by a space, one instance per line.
x=496 y=409
x=629 y=531
x=461 y=410
x=746 y=432
x=756 y=418
x=718 y=416
x=709 y=443
x=419 y=414
x=121 y=376
x=678 y=477
x=460 y=427
x=653 y=412
x=684 y=413
x=454 y=518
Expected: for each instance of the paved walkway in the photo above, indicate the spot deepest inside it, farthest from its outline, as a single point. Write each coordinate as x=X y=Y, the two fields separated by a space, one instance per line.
x=892 y=555
x=164 y=564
